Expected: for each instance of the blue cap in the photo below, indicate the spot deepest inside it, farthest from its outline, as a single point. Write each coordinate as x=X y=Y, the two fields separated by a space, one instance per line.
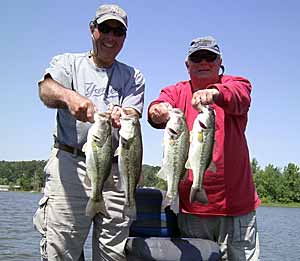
x=204 y=43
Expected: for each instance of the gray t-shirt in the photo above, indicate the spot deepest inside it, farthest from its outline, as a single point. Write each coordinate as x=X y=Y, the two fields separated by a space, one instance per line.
x=79 y=73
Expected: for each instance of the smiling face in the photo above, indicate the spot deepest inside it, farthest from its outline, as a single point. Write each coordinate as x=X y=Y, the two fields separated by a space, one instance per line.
x=203 y=67
x=108 y=42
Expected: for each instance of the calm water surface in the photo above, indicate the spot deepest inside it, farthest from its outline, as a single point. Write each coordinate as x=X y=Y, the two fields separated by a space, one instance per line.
x=279 y=230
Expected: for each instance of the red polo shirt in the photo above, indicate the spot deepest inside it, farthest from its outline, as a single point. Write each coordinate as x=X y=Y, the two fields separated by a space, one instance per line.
x=230 y=190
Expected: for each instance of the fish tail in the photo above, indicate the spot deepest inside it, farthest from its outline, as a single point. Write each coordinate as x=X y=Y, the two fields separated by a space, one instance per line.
x=175 y=205
x=198 y=195
x=162 y=174
x=167 y=201
x=93 y=207
x=121 y=184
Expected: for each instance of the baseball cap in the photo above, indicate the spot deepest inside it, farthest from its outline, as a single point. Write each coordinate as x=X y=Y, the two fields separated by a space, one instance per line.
x=110 y=11
x=204 y=43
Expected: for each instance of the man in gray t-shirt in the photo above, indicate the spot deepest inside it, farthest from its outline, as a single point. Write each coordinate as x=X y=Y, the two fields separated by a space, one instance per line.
x=77 y=85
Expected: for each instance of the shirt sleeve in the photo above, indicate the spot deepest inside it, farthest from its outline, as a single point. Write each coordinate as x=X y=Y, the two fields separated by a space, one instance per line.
x=134 y=92
x=234 y=96
x=60 y=70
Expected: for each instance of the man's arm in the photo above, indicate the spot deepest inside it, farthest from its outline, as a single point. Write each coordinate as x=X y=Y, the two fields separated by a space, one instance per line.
x=55 y=95
x=234 y=95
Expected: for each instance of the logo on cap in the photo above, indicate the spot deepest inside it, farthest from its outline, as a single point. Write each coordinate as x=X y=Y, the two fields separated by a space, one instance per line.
x=204 y=43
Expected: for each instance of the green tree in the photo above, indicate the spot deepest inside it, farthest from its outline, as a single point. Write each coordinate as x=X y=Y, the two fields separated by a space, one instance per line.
x=273 y=185
x=25 y=183
x=291 y=176
x=254 y=166
x=28 y=174
x=269 y=184
x=150 y=178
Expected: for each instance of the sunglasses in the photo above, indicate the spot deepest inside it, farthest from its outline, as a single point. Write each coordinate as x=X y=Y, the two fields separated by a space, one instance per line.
x=209 y=57
x=117 y=31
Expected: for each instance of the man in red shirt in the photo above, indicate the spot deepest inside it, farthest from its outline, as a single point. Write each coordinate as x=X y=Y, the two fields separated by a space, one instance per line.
x=230 y=217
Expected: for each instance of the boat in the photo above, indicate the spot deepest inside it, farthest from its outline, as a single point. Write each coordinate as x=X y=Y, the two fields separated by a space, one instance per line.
x=4 y=188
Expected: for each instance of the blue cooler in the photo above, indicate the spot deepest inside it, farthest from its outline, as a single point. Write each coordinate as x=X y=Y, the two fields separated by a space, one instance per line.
x=154 y=235
x=151 y=221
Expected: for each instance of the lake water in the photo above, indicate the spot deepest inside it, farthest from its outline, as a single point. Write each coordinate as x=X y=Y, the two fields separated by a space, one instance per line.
x=279 y=230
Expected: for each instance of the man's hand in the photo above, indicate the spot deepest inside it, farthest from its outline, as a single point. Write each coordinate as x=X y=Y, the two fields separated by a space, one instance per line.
x=204 y=97
x=55 y=95
x=117 y=112
x=81 y=107
x=159 y=113
x=115 y=116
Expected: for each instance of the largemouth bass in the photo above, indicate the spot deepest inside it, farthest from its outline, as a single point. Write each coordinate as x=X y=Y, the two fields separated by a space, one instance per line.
x=200 y=152
x=98 y=151
x=130 y=153
x=175 y=153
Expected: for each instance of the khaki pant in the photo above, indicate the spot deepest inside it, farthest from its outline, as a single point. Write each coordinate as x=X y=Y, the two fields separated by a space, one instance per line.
x=61 y=218
x=236 y=236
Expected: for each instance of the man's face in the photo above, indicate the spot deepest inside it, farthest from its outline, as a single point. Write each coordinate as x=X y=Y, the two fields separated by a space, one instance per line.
x=204 y=65
x=109 y=38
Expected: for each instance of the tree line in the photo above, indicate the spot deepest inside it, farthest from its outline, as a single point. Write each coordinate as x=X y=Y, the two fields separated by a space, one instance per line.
x=273 y=184
x=277 y=185
x=28 y=175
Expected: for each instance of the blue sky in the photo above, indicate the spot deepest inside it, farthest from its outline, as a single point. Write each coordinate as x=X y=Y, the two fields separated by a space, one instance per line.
x=259 y=40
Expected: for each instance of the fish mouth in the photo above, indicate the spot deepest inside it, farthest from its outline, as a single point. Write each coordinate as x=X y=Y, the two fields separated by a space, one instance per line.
x=202 y=125
x=172 y=131
x=177 y=111
x=96 y=137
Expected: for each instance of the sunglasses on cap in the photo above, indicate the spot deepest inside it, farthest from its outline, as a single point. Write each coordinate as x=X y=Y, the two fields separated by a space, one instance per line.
x=198 y=57
x=117 y=31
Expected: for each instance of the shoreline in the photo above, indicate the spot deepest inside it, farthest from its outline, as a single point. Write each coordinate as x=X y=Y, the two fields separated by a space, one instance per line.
x=263 y=204
x=282 y=205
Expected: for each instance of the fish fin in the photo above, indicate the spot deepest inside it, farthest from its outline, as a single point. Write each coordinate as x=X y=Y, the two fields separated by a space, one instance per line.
x=130 y=212
x=166 y=202
x=87 y=180
x=109 y=182
x=175 y=205
x=191 y=136
x=186 y=175
x=188 y=164
x=162 y=174
x=172 y=203
x=212 y=167
x=198 y=195
x=93 y=207
x=84 y=147
x=117 y=152
x=121 y=184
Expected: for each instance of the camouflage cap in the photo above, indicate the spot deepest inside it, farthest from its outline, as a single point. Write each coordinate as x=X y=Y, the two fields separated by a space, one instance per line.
x=204 y=43
x=110 y=11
